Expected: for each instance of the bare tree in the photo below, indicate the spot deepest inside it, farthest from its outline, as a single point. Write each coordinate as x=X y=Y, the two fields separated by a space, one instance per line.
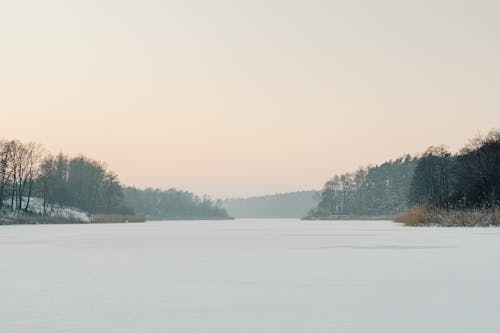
x=34 y=157
x=5 y=164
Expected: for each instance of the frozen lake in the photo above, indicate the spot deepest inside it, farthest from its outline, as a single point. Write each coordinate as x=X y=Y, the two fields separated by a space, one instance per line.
x=248 y=276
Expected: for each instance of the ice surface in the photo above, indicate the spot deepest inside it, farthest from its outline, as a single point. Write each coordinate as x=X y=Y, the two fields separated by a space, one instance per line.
x=248 y=276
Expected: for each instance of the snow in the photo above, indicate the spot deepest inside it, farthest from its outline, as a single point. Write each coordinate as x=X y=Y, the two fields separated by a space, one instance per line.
x=248 y=276
x=36 y=207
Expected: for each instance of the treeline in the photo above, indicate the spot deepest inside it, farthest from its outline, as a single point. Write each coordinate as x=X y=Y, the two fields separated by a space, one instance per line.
x=173 y=204
x=375 y=191
x=469 y=179
x=27 y=172
x=82 y=183
x=436 y=182
x=280 y=205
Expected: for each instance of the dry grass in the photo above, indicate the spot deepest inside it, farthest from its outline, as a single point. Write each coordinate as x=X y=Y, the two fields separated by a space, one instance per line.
x=417 y=216
x=425 y=216
x=116 y=218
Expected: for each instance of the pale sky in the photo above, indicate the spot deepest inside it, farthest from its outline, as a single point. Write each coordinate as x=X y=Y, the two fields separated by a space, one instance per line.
x=238 y=98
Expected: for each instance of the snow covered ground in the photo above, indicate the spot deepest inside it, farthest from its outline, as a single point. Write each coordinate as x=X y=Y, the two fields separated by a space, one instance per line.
x=36 y=207
x=248 y=276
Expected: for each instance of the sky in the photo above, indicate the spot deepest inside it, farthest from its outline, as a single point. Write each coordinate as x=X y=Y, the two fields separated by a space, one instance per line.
x=240 y=98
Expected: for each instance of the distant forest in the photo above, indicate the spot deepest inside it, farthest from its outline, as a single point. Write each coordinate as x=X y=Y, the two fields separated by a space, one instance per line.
x=437 y=178
x=27 y=171
x=173 y=204
x=281 y=205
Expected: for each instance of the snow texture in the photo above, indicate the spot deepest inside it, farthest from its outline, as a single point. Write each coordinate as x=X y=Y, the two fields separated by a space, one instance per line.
x=36 y=207
x=248 y=276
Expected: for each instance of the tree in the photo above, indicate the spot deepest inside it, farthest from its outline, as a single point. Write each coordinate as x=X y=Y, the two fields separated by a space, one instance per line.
x=34 y=155
x=47 y=180
x=432 y=178
x=6 y=148
x=114 y=193
x=477 y=173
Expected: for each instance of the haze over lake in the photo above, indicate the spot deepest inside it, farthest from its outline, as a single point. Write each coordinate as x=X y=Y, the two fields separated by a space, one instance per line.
x=248 y=276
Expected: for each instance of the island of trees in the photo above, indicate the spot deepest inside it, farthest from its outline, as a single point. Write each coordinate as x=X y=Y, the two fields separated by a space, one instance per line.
x=435 y=188
x=37 y=187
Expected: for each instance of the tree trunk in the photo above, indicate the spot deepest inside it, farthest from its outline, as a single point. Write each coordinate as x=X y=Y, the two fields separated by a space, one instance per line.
x=20 y=195
x=14 y=187
x=44 y=198
x=2 y=185
x=30 y=187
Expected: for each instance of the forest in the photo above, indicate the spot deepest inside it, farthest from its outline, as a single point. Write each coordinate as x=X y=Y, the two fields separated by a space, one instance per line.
x=437 y=186
x=376 y=191
x=35 y=182
x=279 y=205
x=173 y=204
x=469 y=179
x=461 y=189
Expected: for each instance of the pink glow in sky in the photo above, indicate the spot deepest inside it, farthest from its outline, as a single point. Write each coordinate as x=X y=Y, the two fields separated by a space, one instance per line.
x=237 y=98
